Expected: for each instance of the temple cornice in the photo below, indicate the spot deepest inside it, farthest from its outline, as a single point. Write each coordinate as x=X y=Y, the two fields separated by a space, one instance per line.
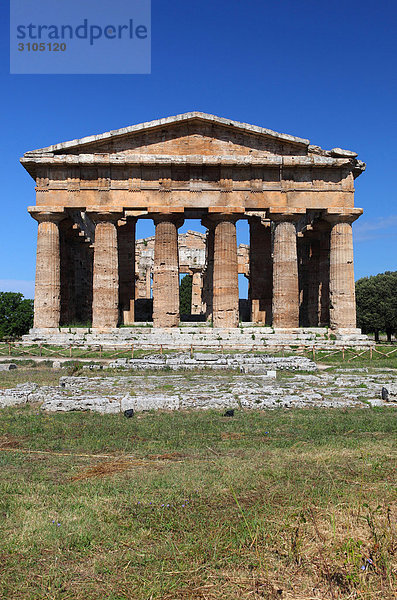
x=190 y=159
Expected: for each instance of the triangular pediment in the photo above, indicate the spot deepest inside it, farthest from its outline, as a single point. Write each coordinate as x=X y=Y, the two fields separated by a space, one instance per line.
x=187 y=134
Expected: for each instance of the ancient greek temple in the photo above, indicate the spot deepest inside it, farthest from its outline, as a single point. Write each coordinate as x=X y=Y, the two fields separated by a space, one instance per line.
x=297 y=198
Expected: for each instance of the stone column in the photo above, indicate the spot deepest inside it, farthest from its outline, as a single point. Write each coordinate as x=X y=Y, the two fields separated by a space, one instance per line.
x=208 y=276
x=324 y=279
x=47 y=296
x=126 y=249
x=197 y=285
x=166 y=272
x=285 y=272
x=342 y=297
x=313 y=291
x=260 y=271
x=225 y=285
x=105 y=301
x=148 y=276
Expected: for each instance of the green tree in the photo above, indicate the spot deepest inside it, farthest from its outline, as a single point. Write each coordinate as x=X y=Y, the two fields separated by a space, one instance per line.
x=376 y=299
x=16 y=315
x=185 y=295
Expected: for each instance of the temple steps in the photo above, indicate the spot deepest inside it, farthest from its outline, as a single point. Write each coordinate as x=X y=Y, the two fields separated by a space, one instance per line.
x=245 y=336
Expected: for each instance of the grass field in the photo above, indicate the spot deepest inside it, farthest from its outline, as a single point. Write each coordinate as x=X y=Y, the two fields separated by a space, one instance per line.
x=193 y=505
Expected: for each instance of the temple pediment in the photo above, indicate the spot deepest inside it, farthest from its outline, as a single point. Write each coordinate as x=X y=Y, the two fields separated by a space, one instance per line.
x=183 y=135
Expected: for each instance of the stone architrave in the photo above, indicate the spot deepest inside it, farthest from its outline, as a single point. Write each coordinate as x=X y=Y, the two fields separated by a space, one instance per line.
x=126 y=249
x=166 y=272
x=105 y=302
x=47 y=298
x=260 y=271
x=285 y=272
x=342 y=299
x=225 y=283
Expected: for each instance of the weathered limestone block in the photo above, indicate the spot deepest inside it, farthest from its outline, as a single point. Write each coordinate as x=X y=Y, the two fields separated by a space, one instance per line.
x=285 y=274
x=225 y=284
x=166 y=272
x=341 y=281
x=106 y=273
x=47 y=298
x=126 y=250
x=261 y=271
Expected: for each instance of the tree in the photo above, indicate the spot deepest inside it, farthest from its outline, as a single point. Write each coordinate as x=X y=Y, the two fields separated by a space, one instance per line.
x=185 y=295
x=376 y=299
x=16 y=315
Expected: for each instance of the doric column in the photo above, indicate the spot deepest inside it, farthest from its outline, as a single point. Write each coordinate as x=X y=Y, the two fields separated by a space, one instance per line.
x=126 y=249
x=105 y=301
x=261 y=271
x=166 y=272
x=313 y=280
x=197 y=288
x=225 y=283
x=47 y=297
x=342 y=297
x=285 y=272
x=208 y=276
x=323 y=313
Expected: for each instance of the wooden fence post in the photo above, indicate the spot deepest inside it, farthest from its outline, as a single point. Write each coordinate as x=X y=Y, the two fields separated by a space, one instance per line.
x=370 y=353
x=70 y=350
x=343 y=353
x=9 y=348
x=132 y=350
x=39 y=349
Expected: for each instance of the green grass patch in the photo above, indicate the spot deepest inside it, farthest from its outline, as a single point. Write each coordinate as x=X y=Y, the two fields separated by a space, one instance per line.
x=194 y=505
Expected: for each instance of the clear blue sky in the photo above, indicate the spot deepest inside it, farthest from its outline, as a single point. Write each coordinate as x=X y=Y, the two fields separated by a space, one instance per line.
x=320 y=70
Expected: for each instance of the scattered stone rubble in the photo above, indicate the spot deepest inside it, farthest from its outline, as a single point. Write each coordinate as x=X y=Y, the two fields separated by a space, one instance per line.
x=244 y=362
x=216 y=390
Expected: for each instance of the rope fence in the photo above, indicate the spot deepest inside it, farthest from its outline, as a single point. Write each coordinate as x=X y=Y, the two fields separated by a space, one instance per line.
x=348 y=354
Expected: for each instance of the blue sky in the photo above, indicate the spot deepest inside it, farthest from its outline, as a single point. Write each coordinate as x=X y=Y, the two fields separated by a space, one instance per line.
x=319 y=70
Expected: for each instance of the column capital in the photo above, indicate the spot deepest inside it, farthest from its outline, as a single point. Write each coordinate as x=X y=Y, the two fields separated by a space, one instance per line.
x=213 y=219
x=342 y=215
x=46 y=215
x=104 y=216
x=289 y=215
x=126 y=221
x=259 y=220
x=175 y=218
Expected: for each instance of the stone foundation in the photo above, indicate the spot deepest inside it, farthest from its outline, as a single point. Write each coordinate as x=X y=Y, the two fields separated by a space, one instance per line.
x=199 y=335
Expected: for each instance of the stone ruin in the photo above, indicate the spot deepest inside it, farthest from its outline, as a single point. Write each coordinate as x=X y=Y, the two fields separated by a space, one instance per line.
x=297 y=198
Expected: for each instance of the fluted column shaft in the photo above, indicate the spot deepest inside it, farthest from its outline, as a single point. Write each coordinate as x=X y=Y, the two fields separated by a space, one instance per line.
x=166 y=273
x=47 y=297
x=285 y=275
x=341 y=277
x=126 y=248
x=261 y=272
x=225 y=285
x=208 y=278
x=197 y=292
x=105 y=300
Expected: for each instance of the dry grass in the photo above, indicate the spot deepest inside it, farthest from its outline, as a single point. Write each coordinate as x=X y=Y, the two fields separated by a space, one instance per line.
x=295 y=505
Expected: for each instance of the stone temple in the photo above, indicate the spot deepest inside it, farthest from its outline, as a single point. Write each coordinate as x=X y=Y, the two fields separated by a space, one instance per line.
x=297 y=198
